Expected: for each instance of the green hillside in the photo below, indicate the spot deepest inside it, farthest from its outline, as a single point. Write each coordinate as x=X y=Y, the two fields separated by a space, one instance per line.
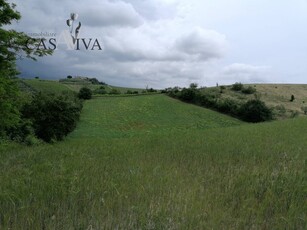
x=46 y=85
x=151 y=162
x=156 y=114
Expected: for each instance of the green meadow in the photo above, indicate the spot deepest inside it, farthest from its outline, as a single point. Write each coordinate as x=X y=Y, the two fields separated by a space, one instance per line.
x=46 y=86
x=152 y=162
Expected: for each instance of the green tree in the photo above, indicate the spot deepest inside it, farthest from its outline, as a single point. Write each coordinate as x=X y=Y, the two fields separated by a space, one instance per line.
x=237 y=86
x=193 y=86
x=53 y=116
x=85 y=93
x=13 y=45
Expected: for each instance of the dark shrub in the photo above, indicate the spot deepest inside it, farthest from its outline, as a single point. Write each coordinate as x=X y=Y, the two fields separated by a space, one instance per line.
x=228 y=106
x=249 y=90
x=292 y=98
x=255 y=111
x=151 y=90
x=129 y=92
x=53 y=117
x=187 y=95
x=135 y=92
x=237 y=86
x=94 y=81
x=208 y=101
x=85 y=93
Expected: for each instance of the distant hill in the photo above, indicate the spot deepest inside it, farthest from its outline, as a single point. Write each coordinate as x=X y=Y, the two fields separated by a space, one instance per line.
x=55 y=86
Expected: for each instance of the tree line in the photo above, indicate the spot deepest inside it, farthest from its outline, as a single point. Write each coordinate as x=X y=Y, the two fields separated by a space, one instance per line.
x=253 y=110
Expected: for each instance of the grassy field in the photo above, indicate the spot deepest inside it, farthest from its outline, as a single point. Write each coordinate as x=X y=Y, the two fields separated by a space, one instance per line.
x=129 y=116
x=151 y=162
x=275 y=95
x=46 y=86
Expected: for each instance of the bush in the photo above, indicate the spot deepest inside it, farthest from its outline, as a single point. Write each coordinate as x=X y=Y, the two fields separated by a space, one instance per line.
x=114 y=91
x=21 y=131
x=237 y=86
x=151 y=90
x=255 y=111
x=208 y=101
x=228 y=106
x=187 y=95
x=101 y=90
x=53 y=117
x=292 y=98
x=85 y=93
x=248 y=90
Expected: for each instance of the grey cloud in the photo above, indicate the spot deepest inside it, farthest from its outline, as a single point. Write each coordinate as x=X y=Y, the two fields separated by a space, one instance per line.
x=137 y=50
x=202 y=44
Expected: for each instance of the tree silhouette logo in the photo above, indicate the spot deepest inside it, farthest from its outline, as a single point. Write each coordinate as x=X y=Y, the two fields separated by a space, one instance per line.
x=71 y=23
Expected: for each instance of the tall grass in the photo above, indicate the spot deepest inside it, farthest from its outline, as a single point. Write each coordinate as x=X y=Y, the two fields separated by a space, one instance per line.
x=238 y=177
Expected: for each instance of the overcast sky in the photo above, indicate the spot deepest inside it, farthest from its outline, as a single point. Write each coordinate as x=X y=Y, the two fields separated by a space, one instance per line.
x=162 y=43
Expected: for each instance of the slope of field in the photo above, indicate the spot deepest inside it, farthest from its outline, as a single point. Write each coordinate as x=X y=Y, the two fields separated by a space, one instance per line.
x=142 y=115
x=46 y=85
x=151 y=162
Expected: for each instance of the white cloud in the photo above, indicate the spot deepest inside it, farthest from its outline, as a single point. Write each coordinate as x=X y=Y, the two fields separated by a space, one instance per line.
x=246 y=73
